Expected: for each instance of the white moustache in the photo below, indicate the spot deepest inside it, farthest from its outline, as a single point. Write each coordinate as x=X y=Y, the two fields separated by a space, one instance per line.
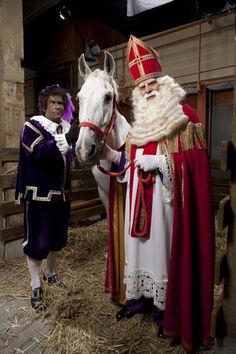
x=151 y=94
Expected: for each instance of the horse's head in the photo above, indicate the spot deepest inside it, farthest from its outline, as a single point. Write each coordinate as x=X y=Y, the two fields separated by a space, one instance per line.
x=96 y=105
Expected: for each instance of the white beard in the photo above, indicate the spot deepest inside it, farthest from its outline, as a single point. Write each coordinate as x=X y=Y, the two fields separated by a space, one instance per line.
x=160 y=116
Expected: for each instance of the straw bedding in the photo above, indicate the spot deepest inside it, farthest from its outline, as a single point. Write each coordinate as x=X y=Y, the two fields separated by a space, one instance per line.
x=82 y=316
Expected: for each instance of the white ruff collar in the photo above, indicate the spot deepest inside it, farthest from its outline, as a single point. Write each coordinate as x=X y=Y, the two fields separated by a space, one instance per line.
x=159 y=117
x=51 y=126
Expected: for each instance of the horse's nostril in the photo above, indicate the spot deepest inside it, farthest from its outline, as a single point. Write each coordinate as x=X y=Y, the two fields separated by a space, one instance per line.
x=92 y=151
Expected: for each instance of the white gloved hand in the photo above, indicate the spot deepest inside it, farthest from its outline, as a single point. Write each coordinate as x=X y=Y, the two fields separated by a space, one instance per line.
x=107 y=153
x=62 y=143
x=147 y=162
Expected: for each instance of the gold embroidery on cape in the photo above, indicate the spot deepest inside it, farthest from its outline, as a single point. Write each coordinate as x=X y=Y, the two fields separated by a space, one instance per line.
x=162 y=147
x=200 y=134
x=127 y=148
x=191 y=136
x=186 y=137
x=172 y=144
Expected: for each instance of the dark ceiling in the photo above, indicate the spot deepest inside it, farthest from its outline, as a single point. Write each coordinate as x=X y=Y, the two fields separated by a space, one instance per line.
x=172 y=14
x=41 y=17
x=113 y=13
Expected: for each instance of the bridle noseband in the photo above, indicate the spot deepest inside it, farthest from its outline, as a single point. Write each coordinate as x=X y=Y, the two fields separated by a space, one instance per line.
x=109 y=127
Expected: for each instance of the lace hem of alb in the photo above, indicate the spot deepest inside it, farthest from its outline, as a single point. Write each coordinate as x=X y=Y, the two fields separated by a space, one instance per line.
x=142 y=283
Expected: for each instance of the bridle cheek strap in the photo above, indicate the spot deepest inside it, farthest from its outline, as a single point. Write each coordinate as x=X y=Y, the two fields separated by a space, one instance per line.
x=109 y=127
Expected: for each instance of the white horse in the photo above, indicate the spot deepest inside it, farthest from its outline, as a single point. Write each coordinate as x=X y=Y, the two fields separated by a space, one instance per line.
x=99 y=118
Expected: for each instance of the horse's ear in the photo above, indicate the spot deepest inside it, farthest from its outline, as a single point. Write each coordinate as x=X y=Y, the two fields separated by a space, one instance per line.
x=84 y=69
x=109 y=63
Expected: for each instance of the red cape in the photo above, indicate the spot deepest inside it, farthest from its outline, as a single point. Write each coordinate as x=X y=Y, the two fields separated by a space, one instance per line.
x=189 y=299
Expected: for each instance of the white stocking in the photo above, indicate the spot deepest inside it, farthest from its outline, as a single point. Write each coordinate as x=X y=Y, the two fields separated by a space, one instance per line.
x=51 y=261
x=34 y=269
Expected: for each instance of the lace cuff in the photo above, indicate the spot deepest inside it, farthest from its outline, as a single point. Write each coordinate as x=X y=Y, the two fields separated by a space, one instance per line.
x=164 y=166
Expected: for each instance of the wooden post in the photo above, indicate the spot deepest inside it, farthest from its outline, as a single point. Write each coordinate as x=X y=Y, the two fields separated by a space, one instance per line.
x=229 y=306
x=12 y=114
x=2 y=245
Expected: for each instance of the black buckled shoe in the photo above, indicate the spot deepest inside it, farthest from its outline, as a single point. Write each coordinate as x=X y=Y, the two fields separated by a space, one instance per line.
x=37 y=299
x=54 y=280
x=125 y=312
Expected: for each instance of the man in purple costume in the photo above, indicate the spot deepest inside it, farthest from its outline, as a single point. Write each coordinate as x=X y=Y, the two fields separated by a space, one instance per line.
x=44 y=185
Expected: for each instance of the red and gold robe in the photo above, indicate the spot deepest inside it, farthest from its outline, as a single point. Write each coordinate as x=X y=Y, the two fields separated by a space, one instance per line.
x=189 y=294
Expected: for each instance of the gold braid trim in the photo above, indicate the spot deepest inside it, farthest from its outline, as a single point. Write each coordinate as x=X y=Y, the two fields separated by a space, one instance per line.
x=187 y=137
x=200 y=134
x=127 y=148
x=171 y=144
x=191 y=136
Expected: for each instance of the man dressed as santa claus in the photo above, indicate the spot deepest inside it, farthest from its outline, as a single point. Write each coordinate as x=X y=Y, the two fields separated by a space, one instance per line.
x=169 y=227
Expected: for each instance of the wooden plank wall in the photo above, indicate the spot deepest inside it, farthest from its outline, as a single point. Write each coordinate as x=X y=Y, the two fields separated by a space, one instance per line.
x=193 y=54
x=223 y=220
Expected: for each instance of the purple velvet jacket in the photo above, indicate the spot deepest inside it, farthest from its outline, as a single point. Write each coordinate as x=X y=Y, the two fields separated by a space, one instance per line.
x=44 y=174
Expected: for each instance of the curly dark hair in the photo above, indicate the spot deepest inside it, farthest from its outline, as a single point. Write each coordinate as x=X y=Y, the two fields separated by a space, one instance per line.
x=53 y=90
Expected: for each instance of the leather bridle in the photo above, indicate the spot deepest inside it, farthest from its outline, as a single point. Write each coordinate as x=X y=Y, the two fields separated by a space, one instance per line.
x=109 y=127
x=104 y=134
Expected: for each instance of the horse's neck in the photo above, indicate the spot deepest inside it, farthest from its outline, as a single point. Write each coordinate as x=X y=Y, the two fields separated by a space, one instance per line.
x=118 y=134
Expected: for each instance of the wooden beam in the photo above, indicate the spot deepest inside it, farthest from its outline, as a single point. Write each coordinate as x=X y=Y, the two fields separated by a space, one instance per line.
x=12 y=233
x=10 y=208
x=87 y=212
x=7 y=181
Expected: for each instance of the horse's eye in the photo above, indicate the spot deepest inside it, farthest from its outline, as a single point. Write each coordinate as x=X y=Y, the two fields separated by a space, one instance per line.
x=107 y=98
